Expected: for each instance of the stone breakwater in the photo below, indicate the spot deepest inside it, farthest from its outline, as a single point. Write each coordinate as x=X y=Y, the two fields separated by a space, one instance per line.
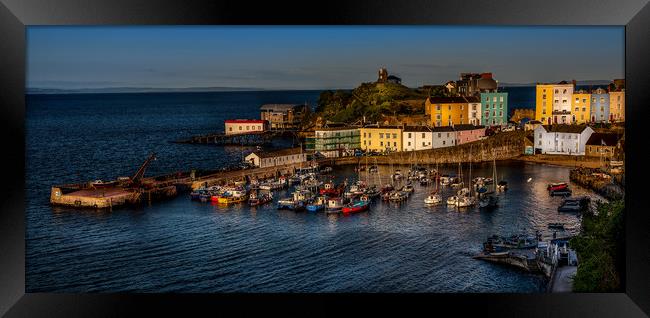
x=610 y=187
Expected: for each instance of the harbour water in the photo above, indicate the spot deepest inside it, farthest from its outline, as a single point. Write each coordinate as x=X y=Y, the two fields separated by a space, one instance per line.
x=187 y=246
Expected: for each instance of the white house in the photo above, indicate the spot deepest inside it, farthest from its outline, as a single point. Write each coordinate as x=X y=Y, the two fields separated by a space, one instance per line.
x=245 y=126
x=417 y=138
x=264 y=159
x=562 y=94
x=474 y=110
x=443 y=136
x=562 y=139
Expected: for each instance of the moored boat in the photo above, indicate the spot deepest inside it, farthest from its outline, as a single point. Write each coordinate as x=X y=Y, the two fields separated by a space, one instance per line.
x=358 y=206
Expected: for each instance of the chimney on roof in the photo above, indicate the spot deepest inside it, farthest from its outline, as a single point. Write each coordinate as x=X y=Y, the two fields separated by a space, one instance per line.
x=574 y=83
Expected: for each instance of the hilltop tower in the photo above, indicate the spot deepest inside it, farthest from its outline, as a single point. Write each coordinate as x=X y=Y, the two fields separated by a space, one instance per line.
x=383 y=75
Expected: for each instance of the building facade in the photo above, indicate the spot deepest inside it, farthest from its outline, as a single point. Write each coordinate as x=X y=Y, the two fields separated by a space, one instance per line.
x=283 y=116
x=553 y=102
x=337 y=141
x=602 y=145
x=417 y=138
x=381 y=138
x=617 y=106
x=264 y=159
x=562 y=139
x=447 y=111
x=581 y=107
x=544 y=103
x=245 y=126
x=599 y=106
x=468 y=133
x=444 y=136
x=494 y=106
x=474 y=110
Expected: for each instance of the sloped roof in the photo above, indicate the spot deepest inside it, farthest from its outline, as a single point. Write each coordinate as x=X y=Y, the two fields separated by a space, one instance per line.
x=597 y=139
x=572 y=129
x=467 y=127
x=442 y=129
x=417 y=129
x=278 y=153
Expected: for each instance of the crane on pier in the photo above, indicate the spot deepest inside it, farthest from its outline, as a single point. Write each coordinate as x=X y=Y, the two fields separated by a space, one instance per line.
x=136 y=180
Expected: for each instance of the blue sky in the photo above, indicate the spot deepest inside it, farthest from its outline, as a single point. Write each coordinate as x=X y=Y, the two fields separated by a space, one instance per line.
x=314 y=57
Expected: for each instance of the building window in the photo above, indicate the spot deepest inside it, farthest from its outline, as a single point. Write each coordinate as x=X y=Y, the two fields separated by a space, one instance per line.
x=229 y=128
x=395 y=143
x=437 y=107
x=409 y=143
x=443 y=142
x=394 y=136
x=381 y=135
x=239 y=127
x=409 y=137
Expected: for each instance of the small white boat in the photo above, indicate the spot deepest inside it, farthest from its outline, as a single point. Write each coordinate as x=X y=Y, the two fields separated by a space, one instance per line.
x=433 y=199
x=465 y=202
x=452 y=200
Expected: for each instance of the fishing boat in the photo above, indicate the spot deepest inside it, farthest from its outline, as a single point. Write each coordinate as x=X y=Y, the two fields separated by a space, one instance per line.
x=398 y=196
x=256 y=199
x=334 y=205
x=234 y=197
x=424 y=181
x=317 y=205
x=358 y=206
x=329 y=189
x=371 y=192
x=373 y=169
x=452 y=200
x=99 y=184
x=502 y=185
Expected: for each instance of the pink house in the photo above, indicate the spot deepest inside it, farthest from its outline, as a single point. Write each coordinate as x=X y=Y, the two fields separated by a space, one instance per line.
x=468 y=133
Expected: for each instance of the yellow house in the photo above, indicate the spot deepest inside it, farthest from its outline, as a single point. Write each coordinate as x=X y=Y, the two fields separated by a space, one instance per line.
x=544 y=103
x=580 y=107
x=381 y=138
x=447 y=111
x=617 y=106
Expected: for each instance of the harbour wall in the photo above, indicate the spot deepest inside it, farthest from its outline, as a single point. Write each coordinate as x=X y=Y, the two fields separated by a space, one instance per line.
x=503 y=146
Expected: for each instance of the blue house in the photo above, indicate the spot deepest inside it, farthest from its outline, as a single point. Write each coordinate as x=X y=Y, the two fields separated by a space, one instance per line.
x=599 y=106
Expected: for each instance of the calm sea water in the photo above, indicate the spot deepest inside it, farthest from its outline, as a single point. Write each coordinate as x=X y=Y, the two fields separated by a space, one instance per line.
x=185 y=246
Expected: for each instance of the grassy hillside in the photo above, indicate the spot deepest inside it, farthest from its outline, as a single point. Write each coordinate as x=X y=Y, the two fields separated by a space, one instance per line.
x=372 y=100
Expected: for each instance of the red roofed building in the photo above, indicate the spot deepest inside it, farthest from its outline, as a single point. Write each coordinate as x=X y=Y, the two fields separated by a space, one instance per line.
x=245 y=126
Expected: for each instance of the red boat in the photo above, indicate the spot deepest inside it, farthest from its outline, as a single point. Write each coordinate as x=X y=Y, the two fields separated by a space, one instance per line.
x=557 y=186
x=358 y=206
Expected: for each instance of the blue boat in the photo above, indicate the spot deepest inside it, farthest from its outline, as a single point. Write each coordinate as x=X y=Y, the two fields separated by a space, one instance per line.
x=317 y=205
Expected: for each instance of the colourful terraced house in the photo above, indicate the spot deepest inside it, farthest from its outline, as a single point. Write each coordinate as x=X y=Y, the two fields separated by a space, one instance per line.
x=494 y=108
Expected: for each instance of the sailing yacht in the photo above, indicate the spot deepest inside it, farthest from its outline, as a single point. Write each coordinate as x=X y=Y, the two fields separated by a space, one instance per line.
x=466 y=199
x=488 y=199
x=434 y=197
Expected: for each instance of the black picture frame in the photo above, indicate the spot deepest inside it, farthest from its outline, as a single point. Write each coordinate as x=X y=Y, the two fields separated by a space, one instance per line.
x=15 y=15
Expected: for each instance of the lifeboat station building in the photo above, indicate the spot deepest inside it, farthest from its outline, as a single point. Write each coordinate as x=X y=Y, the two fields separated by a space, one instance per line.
x=245 y=126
